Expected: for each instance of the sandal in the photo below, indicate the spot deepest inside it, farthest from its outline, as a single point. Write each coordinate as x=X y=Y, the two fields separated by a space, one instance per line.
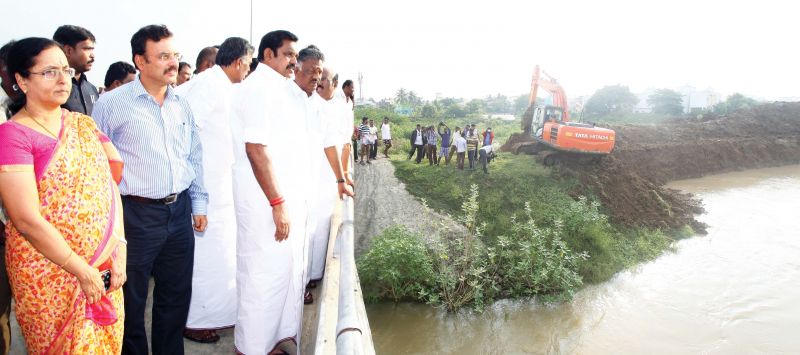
x=204 y=336
x=308 y=298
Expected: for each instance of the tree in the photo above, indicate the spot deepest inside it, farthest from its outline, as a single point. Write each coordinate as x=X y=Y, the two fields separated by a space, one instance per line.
x=429 y=111
x=475 y=107
x=614 y=99
x=401 y=97
x=666 y=101
x=734 y=102
x=521 y=104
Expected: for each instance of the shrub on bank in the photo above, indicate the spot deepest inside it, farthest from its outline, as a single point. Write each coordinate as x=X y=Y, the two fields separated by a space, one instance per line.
x=467 y=272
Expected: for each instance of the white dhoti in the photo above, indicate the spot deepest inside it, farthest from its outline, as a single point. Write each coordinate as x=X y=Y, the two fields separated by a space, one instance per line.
x=213 y=304
x=269 y=273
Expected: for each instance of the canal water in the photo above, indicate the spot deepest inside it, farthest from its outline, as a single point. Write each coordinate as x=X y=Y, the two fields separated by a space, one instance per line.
x=733 y=291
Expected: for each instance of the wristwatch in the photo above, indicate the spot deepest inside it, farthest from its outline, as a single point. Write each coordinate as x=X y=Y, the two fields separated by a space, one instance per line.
x=339 y=181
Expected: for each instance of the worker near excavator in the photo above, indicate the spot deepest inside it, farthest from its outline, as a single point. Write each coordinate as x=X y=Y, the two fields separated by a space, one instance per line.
x=488 y=136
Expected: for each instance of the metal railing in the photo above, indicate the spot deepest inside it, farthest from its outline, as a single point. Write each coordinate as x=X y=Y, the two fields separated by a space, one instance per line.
x=343 y=327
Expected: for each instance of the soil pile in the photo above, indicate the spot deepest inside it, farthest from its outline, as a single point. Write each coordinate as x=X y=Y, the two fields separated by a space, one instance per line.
x=630 y=181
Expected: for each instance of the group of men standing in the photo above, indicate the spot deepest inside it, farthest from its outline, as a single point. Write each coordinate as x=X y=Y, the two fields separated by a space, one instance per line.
x=223 y=206
x=425 y=143
x=366 y=135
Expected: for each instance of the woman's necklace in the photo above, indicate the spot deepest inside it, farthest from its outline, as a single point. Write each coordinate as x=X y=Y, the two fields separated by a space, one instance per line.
x=39 y=123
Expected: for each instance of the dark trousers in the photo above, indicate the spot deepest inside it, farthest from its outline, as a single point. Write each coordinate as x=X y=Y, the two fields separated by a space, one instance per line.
x=373 y=150
x=460 y=160
x=430 y=152
x=161 y=243
x=471 y=157
x=419 y=149
x=354 y=147
x=5 y=297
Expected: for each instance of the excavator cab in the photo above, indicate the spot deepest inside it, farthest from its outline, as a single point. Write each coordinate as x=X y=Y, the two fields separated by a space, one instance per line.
x=544 y=114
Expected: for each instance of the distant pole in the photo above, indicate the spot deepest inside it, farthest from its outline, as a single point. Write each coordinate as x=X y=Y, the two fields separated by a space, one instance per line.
x=251 y=21
x=360 y=86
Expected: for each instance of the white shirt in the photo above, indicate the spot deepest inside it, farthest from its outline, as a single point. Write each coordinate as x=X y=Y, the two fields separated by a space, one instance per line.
x=265 y=112
x=209 y=94
x=373 y=134
x=386 y=131
x=461 y=144
x=419 y=138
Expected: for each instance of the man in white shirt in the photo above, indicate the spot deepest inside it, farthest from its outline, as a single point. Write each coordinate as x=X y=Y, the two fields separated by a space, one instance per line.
x=325 y=153
x=335 y=119
x=386 y=135
x=213 y=304
x=268 y=182
x=373 y=140
x=461 y=148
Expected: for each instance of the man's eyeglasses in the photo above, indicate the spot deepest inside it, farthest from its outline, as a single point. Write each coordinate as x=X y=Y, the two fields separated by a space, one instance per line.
x=165 y=57
x=52 y=74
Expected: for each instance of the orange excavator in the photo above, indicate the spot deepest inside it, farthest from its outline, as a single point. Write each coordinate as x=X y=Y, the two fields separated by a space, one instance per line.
x=548 y=131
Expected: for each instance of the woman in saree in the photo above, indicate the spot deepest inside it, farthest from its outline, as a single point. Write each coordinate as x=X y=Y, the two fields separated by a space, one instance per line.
x=65 y=231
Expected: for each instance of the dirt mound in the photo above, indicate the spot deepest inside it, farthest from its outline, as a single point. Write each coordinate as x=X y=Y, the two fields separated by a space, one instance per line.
x=630 y=181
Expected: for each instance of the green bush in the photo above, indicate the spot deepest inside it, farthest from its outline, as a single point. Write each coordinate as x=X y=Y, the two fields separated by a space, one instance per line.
x=397 y=266
x=465 y=272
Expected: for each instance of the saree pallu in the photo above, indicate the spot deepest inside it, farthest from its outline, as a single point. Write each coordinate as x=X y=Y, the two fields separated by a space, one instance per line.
x=79 y=198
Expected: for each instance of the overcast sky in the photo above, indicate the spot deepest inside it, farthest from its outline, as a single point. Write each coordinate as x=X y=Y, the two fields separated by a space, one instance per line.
x=472 y=49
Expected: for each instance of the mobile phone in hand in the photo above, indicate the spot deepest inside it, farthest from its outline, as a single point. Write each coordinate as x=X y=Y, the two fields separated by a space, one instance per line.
x=106 y=276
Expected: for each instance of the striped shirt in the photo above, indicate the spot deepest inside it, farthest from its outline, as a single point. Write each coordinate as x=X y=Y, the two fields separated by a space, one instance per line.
x=364 y=129
x=159 y=144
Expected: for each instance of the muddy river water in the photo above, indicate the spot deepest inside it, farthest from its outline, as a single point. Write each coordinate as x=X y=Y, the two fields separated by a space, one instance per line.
x=733 y=291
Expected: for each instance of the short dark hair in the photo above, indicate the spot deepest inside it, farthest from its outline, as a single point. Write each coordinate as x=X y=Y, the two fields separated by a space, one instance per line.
x=181 y=65
x=153 y=33
x=118 y=71
x=232 y=49
x=347 y=83
x=274 y=40
x=204 y=55
x=253 y=65
x=310 y=52
x=20 y=59
x=4 y=50
x=70 y=35
x=364 y=118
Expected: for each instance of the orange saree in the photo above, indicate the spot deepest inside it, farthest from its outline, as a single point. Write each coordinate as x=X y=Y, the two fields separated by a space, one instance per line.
x=79 y=198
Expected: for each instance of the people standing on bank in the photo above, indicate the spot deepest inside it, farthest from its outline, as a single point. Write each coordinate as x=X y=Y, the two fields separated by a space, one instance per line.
x=472 y=146
x=430 y=149
x=162 y=190
x=78 y=45
x=386 y=136
x=364 y=140
x=461 y=148
x=373 y=139
x=445 y=135
x=118 y=74
x=418 y=140
x=209 y=94
x=65 y=227
x=269 y=181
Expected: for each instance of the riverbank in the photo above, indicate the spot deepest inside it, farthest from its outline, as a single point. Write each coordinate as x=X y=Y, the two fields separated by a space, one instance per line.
x=729 y=292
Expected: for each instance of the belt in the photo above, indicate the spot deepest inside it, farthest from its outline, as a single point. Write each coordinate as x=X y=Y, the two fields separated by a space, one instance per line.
x=170 y=199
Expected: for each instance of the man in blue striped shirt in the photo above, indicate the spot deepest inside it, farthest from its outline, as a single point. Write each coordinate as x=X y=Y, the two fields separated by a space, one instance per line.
x=162 y=188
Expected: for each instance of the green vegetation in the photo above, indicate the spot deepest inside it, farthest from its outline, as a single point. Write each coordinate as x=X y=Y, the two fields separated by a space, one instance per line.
x=529 y=236
x=456 y=272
